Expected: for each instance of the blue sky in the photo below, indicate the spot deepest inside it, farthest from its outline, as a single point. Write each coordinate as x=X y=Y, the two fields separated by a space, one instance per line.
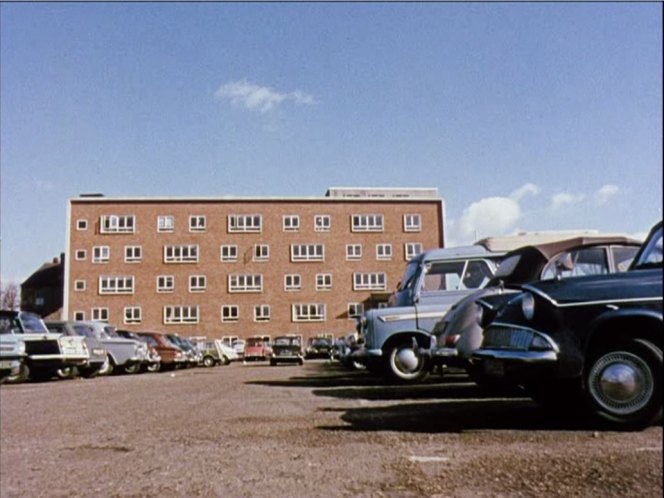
x=524 y=116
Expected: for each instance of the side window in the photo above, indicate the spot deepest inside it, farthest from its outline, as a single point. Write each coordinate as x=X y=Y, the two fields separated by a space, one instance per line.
x=576 y=263
x=477 y=274
x=443 y=276
x=623 y=256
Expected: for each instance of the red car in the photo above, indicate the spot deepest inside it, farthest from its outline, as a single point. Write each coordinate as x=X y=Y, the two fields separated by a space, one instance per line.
x=171 y=355
x=257 y=348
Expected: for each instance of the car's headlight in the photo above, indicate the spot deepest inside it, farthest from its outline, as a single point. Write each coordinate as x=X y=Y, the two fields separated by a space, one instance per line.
x=528 y=305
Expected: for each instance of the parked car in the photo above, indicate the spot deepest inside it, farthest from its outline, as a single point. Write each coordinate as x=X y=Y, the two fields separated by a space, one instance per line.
x=98 y=359
x=319 y=347
x=238 y=345
x=153 y=361
x=458 y=334
x=12 y=354
x=214 y=352
x=287 y=349
x=257 y=348
x=124 y=355
x=46 y=352
x=172 y=356
x=592 y=343
x=192 y=355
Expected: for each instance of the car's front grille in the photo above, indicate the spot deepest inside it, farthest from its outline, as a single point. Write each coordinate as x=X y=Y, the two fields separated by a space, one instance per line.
x=42 y=347
x=507 y=338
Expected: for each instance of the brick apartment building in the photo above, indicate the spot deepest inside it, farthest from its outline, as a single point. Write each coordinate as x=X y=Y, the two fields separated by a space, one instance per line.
x=243 y=266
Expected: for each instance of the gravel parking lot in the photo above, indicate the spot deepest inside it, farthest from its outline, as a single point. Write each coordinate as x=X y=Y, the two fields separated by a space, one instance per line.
x=316 y=430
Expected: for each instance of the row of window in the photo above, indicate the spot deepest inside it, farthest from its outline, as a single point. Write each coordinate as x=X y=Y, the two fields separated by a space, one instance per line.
x=190 y=253
x=126 y=284
x=230 y=313
x=252 y=223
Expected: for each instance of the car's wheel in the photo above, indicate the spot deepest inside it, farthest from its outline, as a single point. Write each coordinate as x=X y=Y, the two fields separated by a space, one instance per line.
x=405 y=364
x=224 y=360
x=22 y=375
x=107 y=368
x=153 y=367
x=623 y=384
x=67 y=372
x=132 y=369
x=208 y=361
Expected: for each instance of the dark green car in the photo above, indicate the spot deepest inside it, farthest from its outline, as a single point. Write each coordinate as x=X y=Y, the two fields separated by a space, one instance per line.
x=287 y=349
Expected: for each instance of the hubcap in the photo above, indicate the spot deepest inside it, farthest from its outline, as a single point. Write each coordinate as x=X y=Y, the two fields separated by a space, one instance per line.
x=407 y=361
x=621 y=382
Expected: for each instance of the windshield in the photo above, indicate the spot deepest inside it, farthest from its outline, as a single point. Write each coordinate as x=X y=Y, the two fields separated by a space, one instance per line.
x=286 y=341
x=32 y=324
x=409 y=277
x=321 y=342
x=84 y=330
x=110 y=331
x=255 y=342
x=652 y=253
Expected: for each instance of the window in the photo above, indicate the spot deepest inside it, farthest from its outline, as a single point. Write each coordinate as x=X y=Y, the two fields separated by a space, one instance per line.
x=116 y=285
x=165 y=283
x=455 y=275
x=355 y=310
x=165 y=223
x=323 y=281
x=291 y=223
x=292 y=282
x=180 y=314
x=133 y=254
x=101 y=254
x=79 y=285
x=197 y=283
x=81 y=224
x=261 y=313
x=117 y=224
x=322 y=223
x=100 y=314
x=229 y=254
x=623 y=256
x=244 y=223
x=181 y=254
x=245 y=283
x=81 y=254
x=383 y=252
x=308 y=312
x=353 y=252
x=79 y=316
x=367 y=223
x=132 y=314
x=412 y=223
x=197 y=223
x=261 y=252
x=307 y=252
x=230 y=313
x=577 y=262
x=412 y=249
x=369 y=281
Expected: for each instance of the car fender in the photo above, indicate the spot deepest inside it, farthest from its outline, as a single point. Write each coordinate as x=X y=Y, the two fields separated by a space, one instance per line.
x=607 y=322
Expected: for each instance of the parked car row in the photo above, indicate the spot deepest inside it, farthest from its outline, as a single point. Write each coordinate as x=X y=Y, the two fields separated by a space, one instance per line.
x=575 y=322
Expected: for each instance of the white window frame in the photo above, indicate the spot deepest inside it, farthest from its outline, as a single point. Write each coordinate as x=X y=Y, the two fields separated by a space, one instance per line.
x=383 y=252
x=80 y=285
x=245 y=283
x=81 y=224
x=81 y=254
x=412 y=249
x=188 y=253
x=113 y=223
x=262 y=313
x=197 y=223
x=292 y=282
x=197 y=283
x=111 y=284
x=132 y=314
x=308 y=312
x=322 y=223
x=165 y=223
x=232 y=315
x=180 y=314
x=367 y=223
x=167 y=279
x=291 y=223
x=101 y=254
x=412 y=222
x=355 y=310
x=307 y=252
x=133 y=254
x=229 y=249
x=371 y=281
x=353 y=252
x=100 y=314
x=323 y=281
x=245 y=223
x=261 y=252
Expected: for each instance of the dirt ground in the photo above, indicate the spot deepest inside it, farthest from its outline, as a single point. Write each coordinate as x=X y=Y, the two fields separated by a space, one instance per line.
x=315 y=430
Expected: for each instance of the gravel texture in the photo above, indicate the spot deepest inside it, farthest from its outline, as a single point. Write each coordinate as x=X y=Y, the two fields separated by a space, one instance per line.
x=316 y=430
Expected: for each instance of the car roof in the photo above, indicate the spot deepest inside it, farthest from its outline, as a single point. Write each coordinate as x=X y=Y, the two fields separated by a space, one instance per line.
x=548 y=250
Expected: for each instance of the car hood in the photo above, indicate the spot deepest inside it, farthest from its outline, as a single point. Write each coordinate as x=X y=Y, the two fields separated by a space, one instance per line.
x=631 y=285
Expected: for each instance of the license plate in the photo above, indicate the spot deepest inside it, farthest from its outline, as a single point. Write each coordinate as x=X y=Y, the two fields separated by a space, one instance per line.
x=494 y=368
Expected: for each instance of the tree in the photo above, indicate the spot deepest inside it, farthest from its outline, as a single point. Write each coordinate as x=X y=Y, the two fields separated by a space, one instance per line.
x=9 y=297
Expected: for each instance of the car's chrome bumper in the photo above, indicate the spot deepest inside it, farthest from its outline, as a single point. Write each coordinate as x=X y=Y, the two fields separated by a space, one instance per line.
x=512 y=356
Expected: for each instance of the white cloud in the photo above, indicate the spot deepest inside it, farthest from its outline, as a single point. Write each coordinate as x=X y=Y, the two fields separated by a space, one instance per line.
x=527 y=189
x=565 y=198
x=489 y=216
x=603 y=195
x=259 y=98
